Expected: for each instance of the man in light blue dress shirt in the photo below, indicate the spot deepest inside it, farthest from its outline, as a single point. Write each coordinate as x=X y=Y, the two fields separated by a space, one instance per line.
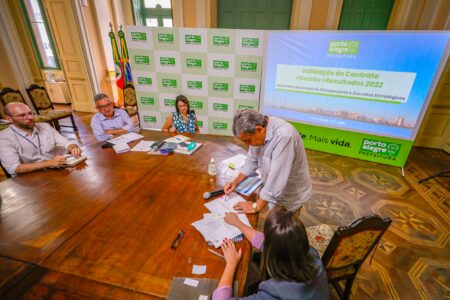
x=277 y=150
x=109 y=121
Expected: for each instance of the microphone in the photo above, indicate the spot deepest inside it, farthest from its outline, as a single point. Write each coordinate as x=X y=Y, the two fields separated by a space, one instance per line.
x=209 y=195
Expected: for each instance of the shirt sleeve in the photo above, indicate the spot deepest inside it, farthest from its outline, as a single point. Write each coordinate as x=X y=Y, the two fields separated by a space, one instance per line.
x=9 y=157
x=128 y=123
x=280 y=167
x=222 y=293
x=251 y=162
x=258 y=240
x=98 y=131
x=60 y=140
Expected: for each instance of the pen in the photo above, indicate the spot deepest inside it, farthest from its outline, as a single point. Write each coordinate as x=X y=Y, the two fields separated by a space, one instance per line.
x=215 y=253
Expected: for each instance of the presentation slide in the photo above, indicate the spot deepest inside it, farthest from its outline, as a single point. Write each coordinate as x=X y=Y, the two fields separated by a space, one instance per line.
x=371 y=82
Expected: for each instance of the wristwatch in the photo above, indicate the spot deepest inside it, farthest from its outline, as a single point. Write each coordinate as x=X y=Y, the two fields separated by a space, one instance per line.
x=254 y=206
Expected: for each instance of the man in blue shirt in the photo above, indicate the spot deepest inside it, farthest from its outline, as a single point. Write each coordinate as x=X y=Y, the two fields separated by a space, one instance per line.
x=109 y=121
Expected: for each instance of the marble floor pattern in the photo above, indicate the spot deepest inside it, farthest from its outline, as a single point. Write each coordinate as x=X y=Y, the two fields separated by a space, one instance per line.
x=413 y=259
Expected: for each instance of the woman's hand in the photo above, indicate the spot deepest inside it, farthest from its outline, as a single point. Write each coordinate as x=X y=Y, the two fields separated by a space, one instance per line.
x=232 y=256
x=172 y=129
x=232 y=219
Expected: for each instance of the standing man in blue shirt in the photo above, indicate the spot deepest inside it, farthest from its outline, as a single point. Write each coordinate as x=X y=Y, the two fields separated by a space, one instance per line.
x=109 y=121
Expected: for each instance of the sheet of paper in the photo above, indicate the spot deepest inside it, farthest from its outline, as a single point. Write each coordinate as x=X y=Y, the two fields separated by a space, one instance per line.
x=177 y=139
x=121 y=147
x=191 y=282
x=126 y=138
x=203 y=297
x=235 y=162
x=143 y=146
x=196 y=269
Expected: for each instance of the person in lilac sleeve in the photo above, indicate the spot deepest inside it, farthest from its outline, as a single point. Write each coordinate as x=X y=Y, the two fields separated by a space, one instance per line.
x=109 y=121
x=291 y=269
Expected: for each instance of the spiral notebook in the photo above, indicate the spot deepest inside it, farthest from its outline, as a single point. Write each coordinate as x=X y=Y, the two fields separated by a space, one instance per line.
x=239 y=238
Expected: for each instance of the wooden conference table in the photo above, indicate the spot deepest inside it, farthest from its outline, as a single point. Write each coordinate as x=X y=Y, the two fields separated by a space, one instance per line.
x=105 y=226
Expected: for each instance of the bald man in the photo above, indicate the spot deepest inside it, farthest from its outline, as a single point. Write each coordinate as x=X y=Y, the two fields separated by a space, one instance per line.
x=26 y=146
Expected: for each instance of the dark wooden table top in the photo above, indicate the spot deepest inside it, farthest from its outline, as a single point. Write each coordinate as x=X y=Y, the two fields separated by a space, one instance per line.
x=112 y=219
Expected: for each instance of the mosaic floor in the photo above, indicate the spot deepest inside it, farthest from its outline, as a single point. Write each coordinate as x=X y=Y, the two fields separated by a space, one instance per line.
x=413 y=258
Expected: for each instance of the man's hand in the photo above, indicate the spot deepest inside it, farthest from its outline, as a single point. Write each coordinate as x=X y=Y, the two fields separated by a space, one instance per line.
x=57 y=161
x=75 y=152
x=244 y=207
x=229 y=187
x=232 y=219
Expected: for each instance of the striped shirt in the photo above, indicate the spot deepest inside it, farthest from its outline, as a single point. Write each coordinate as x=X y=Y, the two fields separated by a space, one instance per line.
x=283 y=165
x=19 y=147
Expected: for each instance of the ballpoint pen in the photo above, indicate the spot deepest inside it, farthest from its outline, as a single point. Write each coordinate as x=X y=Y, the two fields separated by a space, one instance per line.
x=215 y=253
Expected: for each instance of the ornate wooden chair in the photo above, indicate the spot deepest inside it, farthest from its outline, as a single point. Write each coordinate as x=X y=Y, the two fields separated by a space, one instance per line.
x=8 y=95
x=347 y=248
x=44 y=106
x=129 y=95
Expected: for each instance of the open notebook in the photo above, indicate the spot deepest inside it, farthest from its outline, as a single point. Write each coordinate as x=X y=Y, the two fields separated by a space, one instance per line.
x=72 y=161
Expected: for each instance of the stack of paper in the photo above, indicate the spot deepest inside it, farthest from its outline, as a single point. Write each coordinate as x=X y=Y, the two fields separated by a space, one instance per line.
x=121 y=147
x=188 y=148
x=235 y=162
x=126 y=138
x=72 y=161
x=143 y=146
x=213 y=227
x=177 y=139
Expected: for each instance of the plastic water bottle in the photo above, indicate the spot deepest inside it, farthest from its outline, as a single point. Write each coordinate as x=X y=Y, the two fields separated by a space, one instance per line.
x=212 y=170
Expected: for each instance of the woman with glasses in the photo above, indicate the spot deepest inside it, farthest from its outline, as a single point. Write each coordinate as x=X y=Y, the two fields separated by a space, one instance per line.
x=183 y=119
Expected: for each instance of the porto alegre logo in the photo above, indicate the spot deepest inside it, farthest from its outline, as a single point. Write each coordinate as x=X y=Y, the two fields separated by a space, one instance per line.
x=250 y=42
x=248 y=66
x=193 y=39
x=221 y=40
x=220 y=125
x=196 y=105
x=220 y=107
x=221 y=64
x=147 y=100
x=343 y=47
x=247 y=88
x=193 y=63
x=167 y=61
x=379 y=148
x=165 y=38
x=242 y=106
x=142 y=59
x=144 y=80
x=200 y=123
x=138 y=36
x=149 y=119
x=197 y=85
x=220 y=86
x=172 y=83
x=169 y=102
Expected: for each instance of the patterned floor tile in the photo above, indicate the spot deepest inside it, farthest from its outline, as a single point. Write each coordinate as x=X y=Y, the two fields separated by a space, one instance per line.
x=431 y=277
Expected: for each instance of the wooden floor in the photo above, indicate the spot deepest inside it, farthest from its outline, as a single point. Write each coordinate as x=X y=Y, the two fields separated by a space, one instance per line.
x=413 y=259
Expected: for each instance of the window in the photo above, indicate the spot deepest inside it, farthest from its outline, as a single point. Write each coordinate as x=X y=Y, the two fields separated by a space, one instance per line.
x=40 y=34
x=155 y=13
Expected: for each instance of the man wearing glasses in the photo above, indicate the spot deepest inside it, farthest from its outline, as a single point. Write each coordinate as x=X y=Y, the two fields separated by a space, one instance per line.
x=109 y=121
x=27 y=146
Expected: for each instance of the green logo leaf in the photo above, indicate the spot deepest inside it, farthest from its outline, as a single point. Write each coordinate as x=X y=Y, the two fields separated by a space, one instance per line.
x=343 y=47
x=193 y=39
x=191 y=84
x=142 y=59
x=144 y=81
x=150 y=119
x=165 y=38
x=247 y=66
x=147 y=100
x=221 y=64
x=193 y=63
x=220 y=86
x=220 y=125
x=220 y=107
x=169 y=61
x=172 y=83
x=247 y=88
x=250 y=42
x=221 y=40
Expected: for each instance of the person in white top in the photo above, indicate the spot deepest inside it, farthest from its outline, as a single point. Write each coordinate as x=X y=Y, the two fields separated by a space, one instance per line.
x=27 y=146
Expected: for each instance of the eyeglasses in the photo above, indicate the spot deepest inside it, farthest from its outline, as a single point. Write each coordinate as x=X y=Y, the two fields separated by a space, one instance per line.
x=177 y=240
x=24 y=115
x=109 y=105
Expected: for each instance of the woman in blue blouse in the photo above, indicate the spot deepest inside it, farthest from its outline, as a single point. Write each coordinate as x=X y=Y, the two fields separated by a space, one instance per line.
x=183 y=120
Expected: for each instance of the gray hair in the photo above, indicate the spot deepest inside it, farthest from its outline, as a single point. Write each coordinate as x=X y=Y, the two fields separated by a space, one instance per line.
x=246 y=120
x=100 y=96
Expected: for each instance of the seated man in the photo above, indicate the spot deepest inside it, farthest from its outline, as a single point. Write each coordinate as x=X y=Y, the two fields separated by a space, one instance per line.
x=109 y=121
x=28 y=146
